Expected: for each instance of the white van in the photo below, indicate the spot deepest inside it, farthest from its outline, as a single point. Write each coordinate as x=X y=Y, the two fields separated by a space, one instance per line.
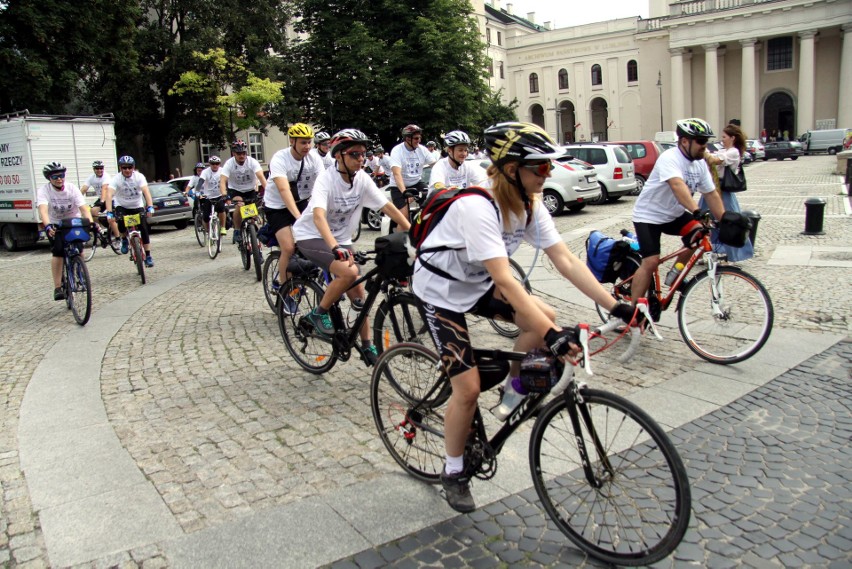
x=830 y=141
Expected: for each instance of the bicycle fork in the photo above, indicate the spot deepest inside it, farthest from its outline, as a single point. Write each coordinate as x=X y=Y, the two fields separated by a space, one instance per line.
x=575 y=402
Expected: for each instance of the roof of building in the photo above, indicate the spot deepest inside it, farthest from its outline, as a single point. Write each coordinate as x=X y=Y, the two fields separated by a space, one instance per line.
x=501 y=15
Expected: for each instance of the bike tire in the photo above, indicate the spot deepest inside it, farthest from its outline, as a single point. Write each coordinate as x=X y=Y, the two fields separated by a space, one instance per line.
x=270 y=274
x=508 y=329
x=79 y=290
x=213 y=238
x=641 y=510
x=139 y=256
x=199 y=229
x=741 y=327
x=397 y=320
x=245 y=256
x=402 y=377
x=89 y=248
x=313 y=353
x=256 y=253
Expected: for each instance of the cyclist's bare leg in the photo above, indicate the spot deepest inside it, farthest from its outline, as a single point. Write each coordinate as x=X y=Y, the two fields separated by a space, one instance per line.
x=460 y=410
x=56 y=264
x=345 y=274
x=288 y=247
x=404 y=211
x=642 y=278
x=235 y=216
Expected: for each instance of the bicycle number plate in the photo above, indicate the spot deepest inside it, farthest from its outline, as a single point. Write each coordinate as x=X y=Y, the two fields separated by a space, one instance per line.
x=249 y=210
x=132 y=219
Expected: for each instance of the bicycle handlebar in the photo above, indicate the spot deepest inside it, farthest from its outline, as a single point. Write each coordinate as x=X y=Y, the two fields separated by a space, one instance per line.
x=635 y=331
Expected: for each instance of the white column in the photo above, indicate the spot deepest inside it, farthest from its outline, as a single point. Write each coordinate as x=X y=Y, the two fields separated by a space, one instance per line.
x=748 y=95
x=805 y=116
x=677 y=83
x=844 y=107
x=687 y=83
x=711 y=85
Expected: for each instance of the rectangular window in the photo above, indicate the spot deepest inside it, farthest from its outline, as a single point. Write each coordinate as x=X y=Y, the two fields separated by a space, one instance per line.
x=779 y=53
x=256 y=146
x=499 y=37
x=490 y=67
x=500 y=65
x=205 y=150
x=488 y=36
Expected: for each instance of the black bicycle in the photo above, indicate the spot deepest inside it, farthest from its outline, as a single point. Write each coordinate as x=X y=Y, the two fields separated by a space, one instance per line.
x=397 y=318
x=102 y=238
x=75 y=275
x=248 y=245
x=606 y=473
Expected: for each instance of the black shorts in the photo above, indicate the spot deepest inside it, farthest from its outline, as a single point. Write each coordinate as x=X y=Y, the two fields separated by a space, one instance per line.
x=399 y=200
x=450 y=334
x=278 y=218
x=212 y=203
x=649 y=234
x=247 y=197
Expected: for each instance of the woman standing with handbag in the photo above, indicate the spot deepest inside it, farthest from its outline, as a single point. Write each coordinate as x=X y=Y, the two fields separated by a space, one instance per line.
x=730 y=156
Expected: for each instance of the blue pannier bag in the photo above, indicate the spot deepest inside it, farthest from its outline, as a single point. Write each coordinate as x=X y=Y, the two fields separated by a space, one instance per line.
x=611 y=259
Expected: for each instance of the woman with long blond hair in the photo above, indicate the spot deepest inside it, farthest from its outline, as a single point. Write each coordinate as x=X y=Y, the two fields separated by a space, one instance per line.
x=463 y=268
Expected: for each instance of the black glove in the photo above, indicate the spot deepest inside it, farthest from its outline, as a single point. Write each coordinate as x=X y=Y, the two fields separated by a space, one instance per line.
x=693 y=237
x=624 y=311
x=341 y=253
x=700 y=214
x=558 y=342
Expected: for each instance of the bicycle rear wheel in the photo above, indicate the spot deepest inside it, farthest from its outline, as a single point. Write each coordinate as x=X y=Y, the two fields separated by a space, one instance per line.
x=398 y=320
x=270 y=274
x=255 y=251
x=727 y=325
x=313 y=353
x=640 y=510
x=138 y=256
x=79 y=290
x=404 y=375
x=214 y=239
x=199 y=229
x=508 y=329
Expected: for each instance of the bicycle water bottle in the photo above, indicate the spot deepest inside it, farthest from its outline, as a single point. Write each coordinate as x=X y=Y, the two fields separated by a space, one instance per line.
x=512 y=397
x=673 y=273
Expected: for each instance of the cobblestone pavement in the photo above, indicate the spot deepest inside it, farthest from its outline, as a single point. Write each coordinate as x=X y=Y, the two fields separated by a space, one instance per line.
x=770 y=481
x=203 y=395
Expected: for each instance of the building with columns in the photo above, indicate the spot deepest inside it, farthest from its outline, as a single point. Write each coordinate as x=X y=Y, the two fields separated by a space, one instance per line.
x=779 y=65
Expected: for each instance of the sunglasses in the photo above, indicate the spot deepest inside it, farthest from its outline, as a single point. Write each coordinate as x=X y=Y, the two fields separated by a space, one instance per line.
x=356 y=155
x=703 y=140
x=541 y=169
x=127 y=167
x=57 y=176
x=99 y=168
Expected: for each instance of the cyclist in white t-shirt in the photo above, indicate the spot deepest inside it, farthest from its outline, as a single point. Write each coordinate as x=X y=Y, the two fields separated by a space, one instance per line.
x=238 y=181
x=96 y=182
x=666 y=204
x=193 y=182
x=208 y=186
x=468 y=271
x=408 y=159
x=453 y=171
x=382 y=176
x=128 y=192
x=321 y=146
x=293 y=172
x=324 y=231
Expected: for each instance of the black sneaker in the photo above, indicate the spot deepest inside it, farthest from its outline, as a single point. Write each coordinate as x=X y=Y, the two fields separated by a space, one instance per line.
x=58 y=294
x=457 y=491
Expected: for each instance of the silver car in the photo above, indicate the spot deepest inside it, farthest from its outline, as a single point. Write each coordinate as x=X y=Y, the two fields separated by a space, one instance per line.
x=614 y=166
x=572 y=184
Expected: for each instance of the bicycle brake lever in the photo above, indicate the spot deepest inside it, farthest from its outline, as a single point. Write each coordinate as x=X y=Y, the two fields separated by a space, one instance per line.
x=584 y=343
x=642 y=305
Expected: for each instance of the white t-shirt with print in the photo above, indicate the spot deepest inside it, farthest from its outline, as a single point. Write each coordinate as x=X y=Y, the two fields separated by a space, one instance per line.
x=410 y=162
x=61 y=204
x=209 y=183
x=341 y=203
x=327 y=160
x=127 y=190
x=657 y=203
x=96 y=182
x=468 y=174
x=241 y=177
x=283 y=165
x=475 y=231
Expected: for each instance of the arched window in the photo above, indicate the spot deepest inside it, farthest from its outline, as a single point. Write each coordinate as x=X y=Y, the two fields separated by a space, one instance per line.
x=632 y=71
x=533 y=82
x=597 y=78
x=563 y=78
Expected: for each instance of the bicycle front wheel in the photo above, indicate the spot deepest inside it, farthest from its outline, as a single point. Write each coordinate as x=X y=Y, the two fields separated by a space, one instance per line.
x=413 y=432
x=508 y=329
x=199 y=229
x=89 y=248
x=138 y=256
x=213 y=238
x=633 y=506
x=296 y=298
x=398 y=320
x=270 y=275
x=79 y=290
x=726 y=323
x=255 y=251
x=245 y=255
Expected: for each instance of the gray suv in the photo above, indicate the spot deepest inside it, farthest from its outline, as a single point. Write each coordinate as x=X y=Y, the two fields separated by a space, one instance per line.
x=613 y=165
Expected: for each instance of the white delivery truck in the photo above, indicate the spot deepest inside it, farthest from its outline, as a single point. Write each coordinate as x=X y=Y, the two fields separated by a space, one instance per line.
x=830 y=140
x=27 y=143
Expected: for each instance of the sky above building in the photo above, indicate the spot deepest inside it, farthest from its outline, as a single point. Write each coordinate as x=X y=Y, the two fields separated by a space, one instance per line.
x=565 y=13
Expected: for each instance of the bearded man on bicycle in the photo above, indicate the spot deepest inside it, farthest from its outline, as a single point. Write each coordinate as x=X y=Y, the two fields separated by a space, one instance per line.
x=128 y=190
x=666 y=204
x=238 y=181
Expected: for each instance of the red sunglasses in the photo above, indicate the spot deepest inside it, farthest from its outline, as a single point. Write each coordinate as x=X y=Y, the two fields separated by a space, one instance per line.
x=541 y=169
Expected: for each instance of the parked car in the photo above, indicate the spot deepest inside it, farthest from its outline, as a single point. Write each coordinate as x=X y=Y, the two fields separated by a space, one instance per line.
x=644 y=154
x=830 y=140
x=756 y=148
x=782 y=150
x=572 y=184
x=170 y=205
x=613 y=165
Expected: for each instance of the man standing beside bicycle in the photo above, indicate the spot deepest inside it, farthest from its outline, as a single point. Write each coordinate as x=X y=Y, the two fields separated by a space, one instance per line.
x=238 y=181
x=324 y=232
x=58 y=200
x=666 y=204
x=128 y=191
x=293 y=172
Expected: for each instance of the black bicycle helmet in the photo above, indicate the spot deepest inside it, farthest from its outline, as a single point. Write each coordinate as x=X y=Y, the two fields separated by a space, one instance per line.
x=694 y=128
x=346 y=138
x=455 y=138
x=519 y=142
x=52 y=168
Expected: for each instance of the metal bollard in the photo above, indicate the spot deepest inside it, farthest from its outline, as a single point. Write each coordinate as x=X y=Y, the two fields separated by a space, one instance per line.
x=814 y=213
x=755 y=219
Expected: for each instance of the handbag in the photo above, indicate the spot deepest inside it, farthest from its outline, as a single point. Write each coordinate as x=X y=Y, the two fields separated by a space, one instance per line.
x=732 y=181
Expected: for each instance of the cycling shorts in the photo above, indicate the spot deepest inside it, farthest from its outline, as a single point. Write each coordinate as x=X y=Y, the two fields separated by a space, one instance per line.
x=319 y=253
x=278 y=219
x=248 y=197
x=208 y=204
x=649 y=234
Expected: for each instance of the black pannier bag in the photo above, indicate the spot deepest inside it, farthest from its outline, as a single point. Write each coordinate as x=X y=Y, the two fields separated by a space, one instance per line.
x=734 y=228
x=392 y=256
